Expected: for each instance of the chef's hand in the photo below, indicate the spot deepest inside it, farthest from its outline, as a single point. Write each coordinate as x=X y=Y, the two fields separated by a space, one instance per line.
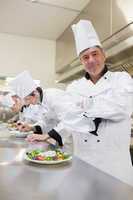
x=10 y=121
x=19 y=124
x=24 y=127
x=37 y=137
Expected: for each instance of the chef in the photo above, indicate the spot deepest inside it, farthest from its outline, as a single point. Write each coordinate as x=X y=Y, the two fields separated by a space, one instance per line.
x=22 y=112
x=7 y=100
x=12 y=104
x=49 y=108
x=11 y=101
x=106 y=98
x=30 y=111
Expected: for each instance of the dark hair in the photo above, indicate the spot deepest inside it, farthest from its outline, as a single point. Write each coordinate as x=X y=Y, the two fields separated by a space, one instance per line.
x=23 y=107
x=40 y=91
x=101 y=49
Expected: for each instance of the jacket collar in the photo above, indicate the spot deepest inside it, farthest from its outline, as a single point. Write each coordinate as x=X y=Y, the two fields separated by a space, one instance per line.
x=87 y=87
x=87 y=76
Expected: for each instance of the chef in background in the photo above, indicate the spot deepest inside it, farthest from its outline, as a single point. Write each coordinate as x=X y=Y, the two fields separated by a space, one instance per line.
x=22 y=113
x=30 y=111
x=7 y=100
x=52 y=104
x=11 y=104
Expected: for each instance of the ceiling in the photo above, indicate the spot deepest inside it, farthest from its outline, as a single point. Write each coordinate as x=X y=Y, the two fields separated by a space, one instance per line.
x=38 y=18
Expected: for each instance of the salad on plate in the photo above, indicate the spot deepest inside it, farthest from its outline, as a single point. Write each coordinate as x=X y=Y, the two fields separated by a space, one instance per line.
x=47 y=157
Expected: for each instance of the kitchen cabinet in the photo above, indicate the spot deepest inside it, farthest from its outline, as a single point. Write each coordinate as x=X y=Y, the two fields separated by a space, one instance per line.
x=122 y=14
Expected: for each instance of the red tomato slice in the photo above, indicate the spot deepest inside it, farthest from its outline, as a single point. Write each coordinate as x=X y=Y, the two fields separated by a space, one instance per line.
x=40 y=158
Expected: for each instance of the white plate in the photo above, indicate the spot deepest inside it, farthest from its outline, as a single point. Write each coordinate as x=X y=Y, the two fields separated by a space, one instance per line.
x=19 y=134
x=46 y=162
x=11 y=129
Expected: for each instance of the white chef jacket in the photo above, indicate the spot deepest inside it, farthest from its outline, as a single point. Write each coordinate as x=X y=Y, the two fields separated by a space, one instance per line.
x=31 y=114
x=48 y=115
x=111 y=99
x=51 y=112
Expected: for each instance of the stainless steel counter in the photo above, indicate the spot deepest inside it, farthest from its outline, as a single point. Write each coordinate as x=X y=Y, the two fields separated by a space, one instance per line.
x=21 y=180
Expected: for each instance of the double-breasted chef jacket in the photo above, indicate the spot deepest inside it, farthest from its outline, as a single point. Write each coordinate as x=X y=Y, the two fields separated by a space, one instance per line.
x=111 y=100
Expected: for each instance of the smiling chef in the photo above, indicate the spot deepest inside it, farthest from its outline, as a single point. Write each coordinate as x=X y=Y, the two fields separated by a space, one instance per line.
x=106 y=98
x=104 y=101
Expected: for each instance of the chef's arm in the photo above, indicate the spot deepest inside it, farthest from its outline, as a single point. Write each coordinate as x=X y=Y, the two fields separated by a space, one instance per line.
x=14 y=119
x=51 y=137
x=113 y=109
x=58 y=133
x=37 y=129
x=116 y=105
x=56 y=136
x=52 y=133
x=63 y=135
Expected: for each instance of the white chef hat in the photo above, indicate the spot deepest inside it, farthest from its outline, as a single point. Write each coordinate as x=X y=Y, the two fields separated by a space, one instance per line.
x=85 y=36
x=23 y=84
x=7 y=101
x=37 y=82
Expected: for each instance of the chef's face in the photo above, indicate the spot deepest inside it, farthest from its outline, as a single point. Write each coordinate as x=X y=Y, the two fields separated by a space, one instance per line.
x=93 y=60
x=17 y=104
x=32 y=98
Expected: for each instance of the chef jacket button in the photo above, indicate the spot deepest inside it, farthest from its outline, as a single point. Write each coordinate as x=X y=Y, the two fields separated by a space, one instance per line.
x=90 y=96
x=105 y=77
x=98 y=140
x=85 y=140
